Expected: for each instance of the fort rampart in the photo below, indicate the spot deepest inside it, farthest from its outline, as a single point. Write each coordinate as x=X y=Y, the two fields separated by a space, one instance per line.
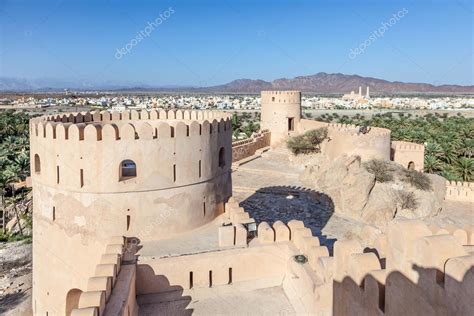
x=248 y=147
x=460 y=191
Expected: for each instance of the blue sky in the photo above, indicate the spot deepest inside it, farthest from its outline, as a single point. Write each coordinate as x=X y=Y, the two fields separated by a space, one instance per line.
x=212 y=42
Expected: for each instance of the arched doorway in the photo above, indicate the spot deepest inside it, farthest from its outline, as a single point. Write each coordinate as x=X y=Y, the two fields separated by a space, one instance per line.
x=411 y=165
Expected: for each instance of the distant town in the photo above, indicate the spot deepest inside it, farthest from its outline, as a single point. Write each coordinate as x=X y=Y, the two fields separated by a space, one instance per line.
x=120 y=101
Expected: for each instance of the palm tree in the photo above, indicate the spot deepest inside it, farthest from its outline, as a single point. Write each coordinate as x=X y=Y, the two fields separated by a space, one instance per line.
x=433 y=149
x=432 y=164
x=449 y=154
x=465 y=168
x=449 y=173
x=5 y=179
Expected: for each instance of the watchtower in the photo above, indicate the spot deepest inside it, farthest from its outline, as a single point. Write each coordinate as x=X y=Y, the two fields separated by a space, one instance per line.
x=280 y=113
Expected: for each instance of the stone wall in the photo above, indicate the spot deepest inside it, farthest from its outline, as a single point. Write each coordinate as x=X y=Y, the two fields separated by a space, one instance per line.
x=344 y=139
x=246 y=148
x=409 y=155
x=460 y=191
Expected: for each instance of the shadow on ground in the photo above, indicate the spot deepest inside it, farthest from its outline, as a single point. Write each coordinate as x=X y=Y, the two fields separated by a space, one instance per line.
x=9 y=302
x=285 y=203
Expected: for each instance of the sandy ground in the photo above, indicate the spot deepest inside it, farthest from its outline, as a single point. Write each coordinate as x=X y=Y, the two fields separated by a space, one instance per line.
x=15 y=278
x=226 y=300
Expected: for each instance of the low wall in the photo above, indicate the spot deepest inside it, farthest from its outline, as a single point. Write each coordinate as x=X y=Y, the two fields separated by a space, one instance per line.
x=245 y=148
x=460 y=191
x=344 y=139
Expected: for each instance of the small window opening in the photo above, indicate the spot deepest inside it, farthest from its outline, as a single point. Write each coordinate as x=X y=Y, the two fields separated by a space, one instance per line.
x=200 y=168
x=291 y=123
x=128 y=222
x=174 y=173
x=37 y=164
x=204 y=208
x=411 y=165
x=128 y=169
x=210 y=278
x=230 y=276
x=191 y=279
x=54 y=213
x=82 y=177
x=57 y=174
x=273 y=99
x=222 y=157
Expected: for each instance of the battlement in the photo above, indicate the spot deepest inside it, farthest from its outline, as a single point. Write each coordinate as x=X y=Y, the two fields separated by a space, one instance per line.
x=248 y=147
x=132 y=115
x=460 y=191
x=413 y=265
x=163 y=148
x=125 y=130
x=407 y=146
x=281 y=97
x=460 y=184
x=133 y=124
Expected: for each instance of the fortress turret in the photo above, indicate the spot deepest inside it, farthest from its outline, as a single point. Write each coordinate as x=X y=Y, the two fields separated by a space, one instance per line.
x=147 y=174
x=281 y=113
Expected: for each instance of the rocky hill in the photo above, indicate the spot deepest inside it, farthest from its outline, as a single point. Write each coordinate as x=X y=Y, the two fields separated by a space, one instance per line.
x=322 y=83
x=336 y=83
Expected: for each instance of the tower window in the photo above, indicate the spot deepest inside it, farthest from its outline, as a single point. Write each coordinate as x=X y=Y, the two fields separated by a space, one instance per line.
x=128 y=169
x=37 y=164
x=291 y=123
x=82 y=177
x=222 y=157
x=273 y=99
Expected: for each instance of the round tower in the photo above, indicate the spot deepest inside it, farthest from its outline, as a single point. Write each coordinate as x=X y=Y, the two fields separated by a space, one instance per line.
x=147 y=174
x=280 y=113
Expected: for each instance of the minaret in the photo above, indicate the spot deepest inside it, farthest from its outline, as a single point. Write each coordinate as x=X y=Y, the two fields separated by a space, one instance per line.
x=367 y=95
x=360 y=91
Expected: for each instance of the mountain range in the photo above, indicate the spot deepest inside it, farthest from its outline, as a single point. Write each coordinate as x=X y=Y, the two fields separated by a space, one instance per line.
x=323 y=83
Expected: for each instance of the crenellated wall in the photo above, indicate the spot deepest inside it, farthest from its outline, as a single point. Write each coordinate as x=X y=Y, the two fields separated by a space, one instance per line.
x=183 y=162
x=248 y=147
x=409 y=155
x=345 y=139
x=460 y=191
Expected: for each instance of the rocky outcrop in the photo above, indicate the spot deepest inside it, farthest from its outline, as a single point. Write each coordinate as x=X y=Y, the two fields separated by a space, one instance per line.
x=357 y=195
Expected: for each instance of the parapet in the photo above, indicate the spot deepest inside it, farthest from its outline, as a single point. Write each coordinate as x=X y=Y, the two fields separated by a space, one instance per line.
x=407 y=146
x=133 y=124
x=420 y=267
x=173 y=147
x=93 y=300
x=281 y=97
x=460 y=191
x=248 y=147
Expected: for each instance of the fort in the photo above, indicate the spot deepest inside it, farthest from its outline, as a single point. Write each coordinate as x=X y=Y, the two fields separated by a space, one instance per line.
x=135 y=214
